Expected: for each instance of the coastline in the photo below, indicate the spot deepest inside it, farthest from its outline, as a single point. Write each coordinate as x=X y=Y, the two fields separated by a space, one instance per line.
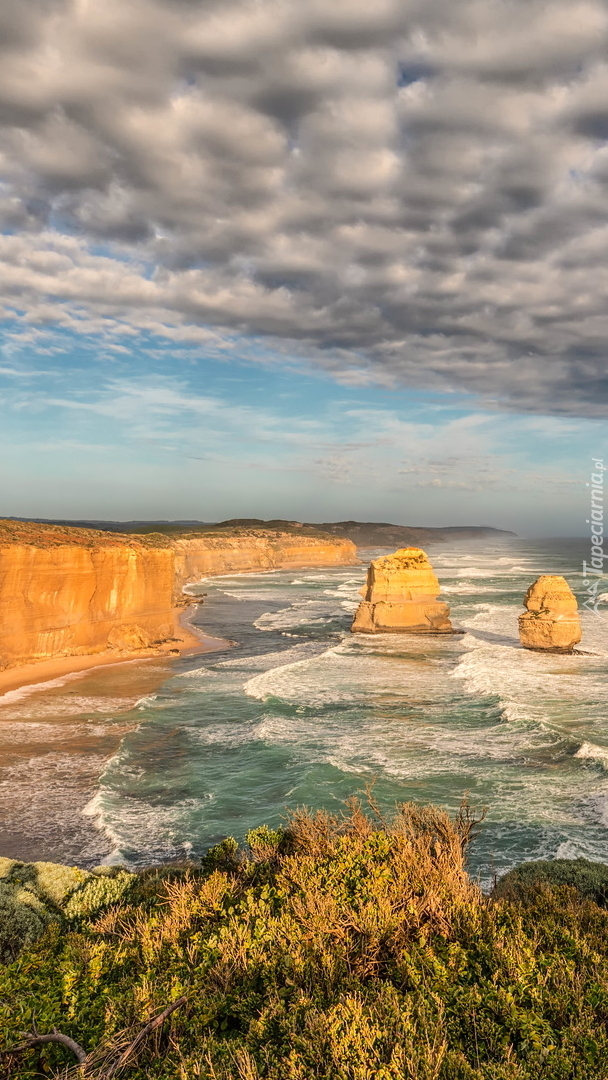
x=187 y=641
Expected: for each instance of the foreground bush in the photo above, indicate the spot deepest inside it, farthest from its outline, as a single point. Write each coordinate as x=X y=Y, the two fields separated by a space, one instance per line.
x=590 y=879
x=33 y=895
x=336 y=949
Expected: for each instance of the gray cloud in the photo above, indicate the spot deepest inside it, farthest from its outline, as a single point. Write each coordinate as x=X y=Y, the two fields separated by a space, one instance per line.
x=408 y=191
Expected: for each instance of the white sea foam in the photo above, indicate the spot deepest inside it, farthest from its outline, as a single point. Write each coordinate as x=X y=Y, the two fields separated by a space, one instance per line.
x=11 y=696
x=466 y=587
x=31 y=732
x=301 y=613
x=223 y=579
x=194 y=673
x=546 y=688
x=279 y=681
x=149 y=701
x=569 y=849
x=263 y=595
x=356 y=670
x=265 y=661
x=588 y=751
x=486 y=572
x=598 y=805
x=61 y=706
x=93 y=808
x=41 y=797
x=136 y=824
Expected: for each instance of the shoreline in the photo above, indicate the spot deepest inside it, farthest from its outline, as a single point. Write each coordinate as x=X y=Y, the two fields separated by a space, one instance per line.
x=187 y=641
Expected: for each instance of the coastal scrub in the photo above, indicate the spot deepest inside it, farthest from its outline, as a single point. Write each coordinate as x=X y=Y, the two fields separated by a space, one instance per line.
x=338 y=948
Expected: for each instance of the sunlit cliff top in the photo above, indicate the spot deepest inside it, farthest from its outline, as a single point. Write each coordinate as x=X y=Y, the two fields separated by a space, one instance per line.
x=39 y=534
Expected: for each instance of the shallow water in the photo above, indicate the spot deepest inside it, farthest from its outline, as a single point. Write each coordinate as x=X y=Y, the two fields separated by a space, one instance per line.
x=301 y=711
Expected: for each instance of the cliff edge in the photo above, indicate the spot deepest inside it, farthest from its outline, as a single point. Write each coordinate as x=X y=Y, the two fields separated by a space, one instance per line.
x=74 y=592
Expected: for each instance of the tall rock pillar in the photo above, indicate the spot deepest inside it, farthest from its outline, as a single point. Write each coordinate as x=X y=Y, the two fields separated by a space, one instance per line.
x=400 y=595
x=551 y=620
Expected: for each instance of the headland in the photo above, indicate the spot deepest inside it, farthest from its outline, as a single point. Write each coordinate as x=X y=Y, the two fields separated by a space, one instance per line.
x=72 y=598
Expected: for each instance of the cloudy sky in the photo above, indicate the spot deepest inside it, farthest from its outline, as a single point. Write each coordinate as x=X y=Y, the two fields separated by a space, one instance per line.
x=304 y=258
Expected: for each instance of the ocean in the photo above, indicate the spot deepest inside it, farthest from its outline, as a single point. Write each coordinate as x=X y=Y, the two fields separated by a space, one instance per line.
x=141 y=763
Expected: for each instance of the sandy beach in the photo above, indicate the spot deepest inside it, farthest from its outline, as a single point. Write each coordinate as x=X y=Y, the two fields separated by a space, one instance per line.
x=187 y=641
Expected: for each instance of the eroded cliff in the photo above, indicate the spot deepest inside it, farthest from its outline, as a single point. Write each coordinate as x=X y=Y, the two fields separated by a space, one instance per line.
x=251 y=549
x=71 y=592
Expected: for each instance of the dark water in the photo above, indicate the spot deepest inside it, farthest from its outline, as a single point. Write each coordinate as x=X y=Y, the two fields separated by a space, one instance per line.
x=301 y=711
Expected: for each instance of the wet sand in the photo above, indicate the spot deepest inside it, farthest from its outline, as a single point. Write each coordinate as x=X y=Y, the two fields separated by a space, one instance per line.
x=187 y=642
x=60 y=722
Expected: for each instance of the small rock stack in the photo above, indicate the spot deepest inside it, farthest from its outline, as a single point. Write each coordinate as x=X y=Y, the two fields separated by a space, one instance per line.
x=400 y=595
x=551 y=620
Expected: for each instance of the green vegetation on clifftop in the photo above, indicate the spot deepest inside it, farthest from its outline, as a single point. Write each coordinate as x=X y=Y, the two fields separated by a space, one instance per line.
x=335 y=949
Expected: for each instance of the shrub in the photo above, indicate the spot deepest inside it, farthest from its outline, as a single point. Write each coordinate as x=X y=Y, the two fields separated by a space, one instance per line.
x=34 y=894
x=22 y=920
x=97 y=892
x=223 y=856
x=589 y=878
x=52 y=882
x=339 y=948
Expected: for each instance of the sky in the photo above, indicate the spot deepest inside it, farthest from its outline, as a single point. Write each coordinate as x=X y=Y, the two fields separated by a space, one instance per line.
x=312 y=259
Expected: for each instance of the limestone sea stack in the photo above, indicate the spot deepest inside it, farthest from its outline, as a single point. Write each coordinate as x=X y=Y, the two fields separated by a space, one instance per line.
x=400 y=596
x=551 y=620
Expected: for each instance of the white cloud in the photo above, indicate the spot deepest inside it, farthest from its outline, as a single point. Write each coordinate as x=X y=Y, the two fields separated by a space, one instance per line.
x=406 y=191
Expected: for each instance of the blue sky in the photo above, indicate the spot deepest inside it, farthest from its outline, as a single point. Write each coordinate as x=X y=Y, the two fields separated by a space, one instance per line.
x=155 y=432
x=306 y=260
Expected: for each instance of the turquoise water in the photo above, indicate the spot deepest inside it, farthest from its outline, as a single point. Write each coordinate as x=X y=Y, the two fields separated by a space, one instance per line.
x=302 y=712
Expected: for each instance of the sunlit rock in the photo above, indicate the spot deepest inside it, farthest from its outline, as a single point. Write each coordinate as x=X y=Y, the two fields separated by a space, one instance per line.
x=400 y=595
x=551 y=620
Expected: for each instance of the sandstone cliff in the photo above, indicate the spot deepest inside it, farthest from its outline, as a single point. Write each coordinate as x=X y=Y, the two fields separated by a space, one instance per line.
x=71 y=592
x=551 y=620
x=401 y=595
x=251 y=549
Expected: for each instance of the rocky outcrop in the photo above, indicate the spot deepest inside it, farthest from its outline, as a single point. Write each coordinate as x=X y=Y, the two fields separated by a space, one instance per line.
x=551 y=620
x=400 y=595
x=71 y=592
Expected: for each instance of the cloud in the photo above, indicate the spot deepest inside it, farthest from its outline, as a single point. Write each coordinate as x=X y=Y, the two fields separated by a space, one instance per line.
x=410 y=192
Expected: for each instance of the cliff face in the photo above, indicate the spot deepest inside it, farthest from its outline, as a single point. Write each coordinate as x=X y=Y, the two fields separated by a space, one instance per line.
x=70 y=600
x=70 y=592
x=551 y=620
x=256 y=550
x=401 y=595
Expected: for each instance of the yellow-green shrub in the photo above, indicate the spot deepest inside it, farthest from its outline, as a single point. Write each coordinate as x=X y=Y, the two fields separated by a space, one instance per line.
x=339 y=948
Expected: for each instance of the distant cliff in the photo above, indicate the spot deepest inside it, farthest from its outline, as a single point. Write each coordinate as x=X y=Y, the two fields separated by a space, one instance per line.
x=362 y=533
x=71 y=592
x=379 y=533
x=255 y=549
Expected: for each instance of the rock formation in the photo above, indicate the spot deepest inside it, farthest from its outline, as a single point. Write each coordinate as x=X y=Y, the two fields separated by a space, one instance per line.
x=71 y=592
x=400 y=595
x=256 y=549
x=551 y=620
